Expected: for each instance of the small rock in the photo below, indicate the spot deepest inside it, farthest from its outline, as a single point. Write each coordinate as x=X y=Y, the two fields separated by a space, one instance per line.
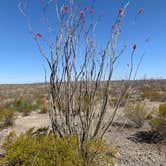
x=160 y=153
x=153 y=160
x=2 y=153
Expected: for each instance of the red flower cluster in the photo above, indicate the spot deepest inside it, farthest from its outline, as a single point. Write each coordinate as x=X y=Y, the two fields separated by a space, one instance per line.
x=39 y=35
x=134 y=46
x=91 y=42
x=141 y=10
x=91 y=11
x=35 y=35
x=66 y=8
x=121 y=12
x=82 y=13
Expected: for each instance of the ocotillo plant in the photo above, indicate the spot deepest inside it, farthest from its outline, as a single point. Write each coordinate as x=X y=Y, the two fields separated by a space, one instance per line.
x=77 y=69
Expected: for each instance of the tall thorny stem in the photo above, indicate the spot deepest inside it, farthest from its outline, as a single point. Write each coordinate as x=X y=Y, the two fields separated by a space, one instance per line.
x=77 y=74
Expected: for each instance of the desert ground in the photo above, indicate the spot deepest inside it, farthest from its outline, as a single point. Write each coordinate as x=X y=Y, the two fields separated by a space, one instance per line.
x=132 y=148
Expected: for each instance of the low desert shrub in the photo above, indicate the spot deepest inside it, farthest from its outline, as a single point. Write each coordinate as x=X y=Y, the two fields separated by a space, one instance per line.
x=6 y=117
x=158 y=123
x=154 y=95
x=51 y=150
x=151 y=114
x=136 y=113
x=42 y=104
x=43 y=108
x=162 y=110
x=23 y=105
x=150 y=94
x=113 y=100
x=99 y=97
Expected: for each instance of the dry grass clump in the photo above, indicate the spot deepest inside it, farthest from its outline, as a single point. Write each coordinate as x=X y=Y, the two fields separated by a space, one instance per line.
x=153 y=94
x=136 y=113
x=42 y=104
x=23 y=105
x=6 y=117
x=158 y=122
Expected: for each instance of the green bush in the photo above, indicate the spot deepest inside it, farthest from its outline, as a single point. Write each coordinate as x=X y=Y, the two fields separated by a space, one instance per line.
x=51 y=150
x=162 y=110
x=6 y=117
x=158 y=123
x=136 y=112
x=23 y=105
x=150 y=94
x=153 y=95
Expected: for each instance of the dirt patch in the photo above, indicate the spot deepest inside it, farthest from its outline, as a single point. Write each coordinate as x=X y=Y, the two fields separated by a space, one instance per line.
x=23 y=123
x=131 y=153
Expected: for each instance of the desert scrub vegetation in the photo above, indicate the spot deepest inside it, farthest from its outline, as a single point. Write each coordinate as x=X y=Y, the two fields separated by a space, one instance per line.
x=153 y=94
x=158 y=122
x=74 y=85
x=162 y=110
x=6 y=117
x=23 y=105
x=150 y=94
x=29 y=149
x=43 y=108
x=136 y=113
x=113 y=100
x=42 y=104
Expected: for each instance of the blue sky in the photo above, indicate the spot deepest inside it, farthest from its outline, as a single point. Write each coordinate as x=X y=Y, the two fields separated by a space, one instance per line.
x=20 y=60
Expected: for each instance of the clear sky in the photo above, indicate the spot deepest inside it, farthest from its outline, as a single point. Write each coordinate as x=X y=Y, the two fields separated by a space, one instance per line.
x=20 y=60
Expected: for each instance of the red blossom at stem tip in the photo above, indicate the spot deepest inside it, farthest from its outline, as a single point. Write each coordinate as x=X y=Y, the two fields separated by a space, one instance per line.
x=35 y=35
x=91 y=42
x=66 y=8
x=82 y=13
x=141 y=10
x=134 y=46
x=91 y=11
x=121 y=12
x=39 y=35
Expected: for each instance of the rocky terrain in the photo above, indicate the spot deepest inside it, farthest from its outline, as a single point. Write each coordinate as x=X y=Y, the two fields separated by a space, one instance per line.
x=122 y=135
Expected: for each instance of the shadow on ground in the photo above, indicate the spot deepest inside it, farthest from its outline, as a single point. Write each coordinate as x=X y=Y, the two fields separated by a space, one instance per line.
x=149 y=137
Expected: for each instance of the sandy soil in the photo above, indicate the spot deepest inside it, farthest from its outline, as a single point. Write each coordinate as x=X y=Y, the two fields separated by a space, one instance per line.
x=134 y=153
x=130 y=153
x=23 y=123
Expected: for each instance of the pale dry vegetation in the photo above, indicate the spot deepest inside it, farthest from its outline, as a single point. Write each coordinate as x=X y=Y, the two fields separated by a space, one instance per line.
x=135 y=114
